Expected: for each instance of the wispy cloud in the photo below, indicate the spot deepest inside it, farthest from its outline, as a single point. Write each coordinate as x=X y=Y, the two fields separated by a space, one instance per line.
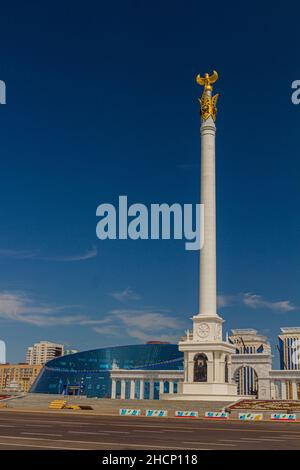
x=255 y=301
x=90 y=253
x=225 y=300
x=20 y=307
x=144 y=325
x=18 y=254
x=37 y=255
x=125 y=295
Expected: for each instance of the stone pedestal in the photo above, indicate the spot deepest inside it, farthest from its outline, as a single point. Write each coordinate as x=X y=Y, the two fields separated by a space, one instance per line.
x=207 y=362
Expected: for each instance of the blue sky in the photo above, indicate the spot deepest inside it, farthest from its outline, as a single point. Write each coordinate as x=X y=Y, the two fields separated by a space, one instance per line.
x=102 y=101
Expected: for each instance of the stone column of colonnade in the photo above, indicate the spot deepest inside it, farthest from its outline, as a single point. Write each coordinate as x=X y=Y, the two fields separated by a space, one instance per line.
x=151 y=389
x=132 y=389
x=273 y=390
x=294 y=390
x=289 y=390
x=161 y=387
x=142 y=388
x=113 y=389
x=283 y=390
x=123 y=389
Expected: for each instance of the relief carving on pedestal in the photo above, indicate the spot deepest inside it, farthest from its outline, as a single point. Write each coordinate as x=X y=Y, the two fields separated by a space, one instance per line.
x=218 y=332
x=203 y=330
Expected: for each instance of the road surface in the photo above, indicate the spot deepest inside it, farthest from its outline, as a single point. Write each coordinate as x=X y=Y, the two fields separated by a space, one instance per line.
x=35 y=430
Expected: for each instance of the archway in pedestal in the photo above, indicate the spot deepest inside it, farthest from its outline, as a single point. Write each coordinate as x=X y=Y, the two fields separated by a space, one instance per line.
x=200 y=367
x=247 y=380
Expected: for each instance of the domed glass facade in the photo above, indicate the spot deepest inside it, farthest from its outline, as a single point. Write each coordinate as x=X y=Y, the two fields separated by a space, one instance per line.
x=88 y=373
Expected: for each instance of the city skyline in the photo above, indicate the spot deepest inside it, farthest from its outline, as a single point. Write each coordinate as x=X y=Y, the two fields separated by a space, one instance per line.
x=121 y=116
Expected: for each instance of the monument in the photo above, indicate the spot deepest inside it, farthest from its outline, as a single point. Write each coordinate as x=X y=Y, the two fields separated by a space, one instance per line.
x=207 y=358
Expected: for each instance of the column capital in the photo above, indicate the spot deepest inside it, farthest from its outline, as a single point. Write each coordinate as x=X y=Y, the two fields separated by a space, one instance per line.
x=208 y=127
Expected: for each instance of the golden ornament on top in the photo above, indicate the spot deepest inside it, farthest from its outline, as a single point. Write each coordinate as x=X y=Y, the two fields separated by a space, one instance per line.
x=208 y=103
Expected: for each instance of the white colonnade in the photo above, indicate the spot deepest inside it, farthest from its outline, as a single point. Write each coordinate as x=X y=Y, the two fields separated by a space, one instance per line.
x=132 y=384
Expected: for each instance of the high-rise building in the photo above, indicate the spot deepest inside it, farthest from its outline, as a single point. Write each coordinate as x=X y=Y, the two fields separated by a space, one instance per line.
x=289 y=348
x=18 y=377
x=42 y=352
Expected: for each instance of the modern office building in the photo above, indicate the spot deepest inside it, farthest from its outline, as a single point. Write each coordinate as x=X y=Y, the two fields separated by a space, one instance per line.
x=289 y=348
x=89 y=373
x=42 y=352
x=18 y=377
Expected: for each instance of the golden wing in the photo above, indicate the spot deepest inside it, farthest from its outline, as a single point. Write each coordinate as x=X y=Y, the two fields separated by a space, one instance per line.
x=200 y=80
x=214 y=77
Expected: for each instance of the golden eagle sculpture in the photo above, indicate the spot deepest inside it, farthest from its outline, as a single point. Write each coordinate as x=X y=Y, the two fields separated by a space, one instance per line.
x=207 y=80
x=208 y=103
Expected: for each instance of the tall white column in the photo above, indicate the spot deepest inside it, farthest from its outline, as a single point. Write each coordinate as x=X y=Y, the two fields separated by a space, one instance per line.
x=207 y=292
x=132 y=389
x=142 y=389
x=161 y=387
x=171 y=386
x=123 y=389
x=113 y=389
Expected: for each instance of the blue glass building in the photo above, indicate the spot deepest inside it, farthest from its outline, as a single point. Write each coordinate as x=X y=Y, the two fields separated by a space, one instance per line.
x=88 y=373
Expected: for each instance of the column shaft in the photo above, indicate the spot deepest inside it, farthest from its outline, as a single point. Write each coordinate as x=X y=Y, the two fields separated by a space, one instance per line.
x=123 y=389
x=151 y=391
x=283 y=390
x=132 y=389
x=208 y=292
x=294 y=390
x=113 y=389
x=142 y=389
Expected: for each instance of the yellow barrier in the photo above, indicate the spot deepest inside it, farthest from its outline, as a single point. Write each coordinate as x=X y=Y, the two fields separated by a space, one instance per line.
x=72 y=407
x=62 y=405
x=57 y=404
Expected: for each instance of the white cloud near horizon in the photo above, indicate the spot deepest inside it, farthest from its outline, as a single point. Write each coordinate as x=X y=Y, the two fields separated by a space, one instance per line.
x=36 y=255
x=255 y=301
